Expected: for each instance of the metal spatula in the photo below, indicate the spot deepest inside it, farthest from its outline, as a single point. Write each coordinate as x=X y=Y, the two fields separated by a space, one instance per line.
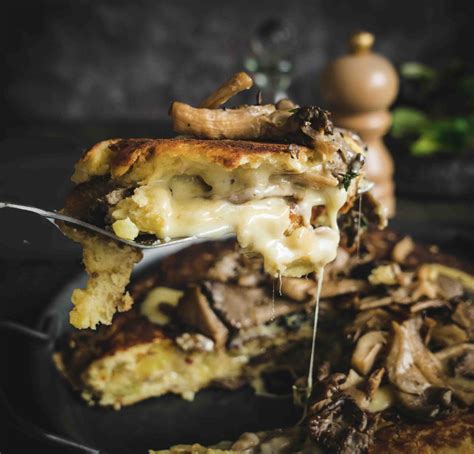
x=146 y=244
x=52 y=216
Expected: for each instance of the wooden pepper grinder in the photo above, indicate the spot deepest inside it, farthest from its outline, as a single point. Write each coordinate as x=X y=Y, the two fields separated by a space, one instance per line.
x=359 y=87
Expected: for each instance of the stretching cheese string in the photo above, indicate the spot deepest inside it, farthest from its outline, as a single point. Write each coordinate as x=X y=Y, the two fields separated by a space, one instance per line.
x=358 y=225
x=309 y=386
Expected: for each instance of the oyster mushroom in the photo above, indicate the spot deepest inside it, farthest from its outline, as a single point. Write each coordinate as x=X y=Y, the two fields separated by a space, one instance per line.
x=367 y=350
x=339 y=265
x=237 y=83
x=194 y=310
x=426 y=361
x=247 y=122
x=372 y=319
x=460 y=356
x=352 y=379
x=333 y=287
x=247 y=440
x=412 y=368
x=454 y=351
x=449 y=288
x=304 y=125
x=427 y=304
x=434 y=402
x=446 y=335
x=374 y=381
x=372 y=302
x=385 y=274
x=434 y=270
x=406 y=357
x=297 y=289
x=425 y=285
x=382 y=399
x=464 y=365
x=366 y=393
x=403 y=249
x=429 y=324
x=285 y=104
x=464 y=316
x=379 y=397
x=362 y=393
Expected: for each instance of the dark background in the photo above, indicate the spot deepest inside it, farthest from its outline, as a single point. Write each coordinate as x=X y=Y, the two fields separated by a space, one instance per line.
x=108 y=61
x=74 y=72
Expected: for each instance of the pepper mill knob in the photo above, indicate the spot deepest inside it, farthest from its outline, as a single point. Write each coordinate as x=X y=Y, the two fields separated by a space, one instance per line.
x=359 y=87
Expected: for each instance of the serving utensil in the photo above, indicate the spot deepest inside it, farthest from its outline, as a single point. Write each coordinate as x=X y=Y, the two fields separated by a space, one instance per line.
x=53 y=216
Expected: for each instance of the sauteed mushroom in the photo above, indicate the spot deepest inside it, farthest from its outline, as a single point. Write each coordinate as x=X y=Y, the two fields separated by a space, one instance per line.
x=302 y=125
x=237 y=83
x=367 y=350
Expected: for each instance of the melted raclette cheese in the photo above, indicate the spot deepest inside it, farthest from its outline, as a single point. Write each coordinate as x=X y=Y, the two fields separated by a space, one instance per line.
x=186 y=187
x=258 y=207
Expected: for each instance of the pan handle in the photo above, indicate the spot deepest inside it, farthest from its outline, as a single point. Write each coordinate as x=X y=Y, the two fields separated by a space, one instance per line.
x=27 y=427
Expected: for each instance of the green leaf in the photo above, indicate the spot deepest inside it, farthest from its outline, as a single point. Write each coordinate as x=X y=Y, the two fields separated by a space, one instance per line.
x=451 y=133
x=346 y=179
x=425 y=145
x=415 y=70
x=407 y=121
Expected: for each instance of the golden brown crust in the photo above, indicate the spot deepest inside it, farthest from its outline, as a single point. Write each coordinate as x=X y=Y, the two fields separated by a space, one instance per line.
x=451 y=435
x=108 y=265
x=228 y=153
x=225 y=152
x=83 y=202
x=129 y=329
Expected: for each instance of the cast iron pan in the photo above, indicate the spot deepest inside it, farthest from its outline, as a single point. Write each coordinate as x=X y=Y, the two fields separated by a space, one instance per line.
x=68 y=422
x=156 y=423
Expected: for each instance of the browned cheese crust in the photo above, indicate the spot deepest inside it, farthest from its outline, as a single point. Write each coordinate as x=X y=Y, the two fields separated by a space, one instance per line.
x=454 y=435
x=228 y=153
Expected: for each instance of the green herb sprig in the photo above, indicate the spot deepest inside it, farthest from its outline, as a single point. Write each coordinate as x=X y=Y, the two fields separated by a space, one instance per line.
x=346 y=178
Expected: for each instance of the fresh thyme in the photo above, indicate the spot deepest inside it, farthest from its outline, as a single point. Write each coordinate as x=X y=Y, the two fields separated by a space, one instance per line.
x=346 y=178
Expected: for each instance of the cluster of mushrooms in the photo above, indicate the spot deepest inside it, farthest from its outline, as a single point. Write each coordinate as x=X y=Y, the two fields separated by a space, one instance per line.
x=409 y=340
x=395 y=347
x=284 y=121
x=408 y=350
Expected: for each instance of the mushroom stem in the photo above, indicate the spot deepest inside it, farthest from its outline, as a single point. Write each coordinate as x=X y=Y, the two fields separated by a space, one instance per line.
x=367 y=349
x=243 y=123
x=237 y=83
x=454 y=350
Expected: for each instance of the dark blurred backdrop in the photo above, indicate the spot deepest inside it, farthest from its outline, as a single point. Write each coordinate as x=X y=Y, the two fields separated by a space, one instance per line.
x=110 y=63
x=77 y=71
